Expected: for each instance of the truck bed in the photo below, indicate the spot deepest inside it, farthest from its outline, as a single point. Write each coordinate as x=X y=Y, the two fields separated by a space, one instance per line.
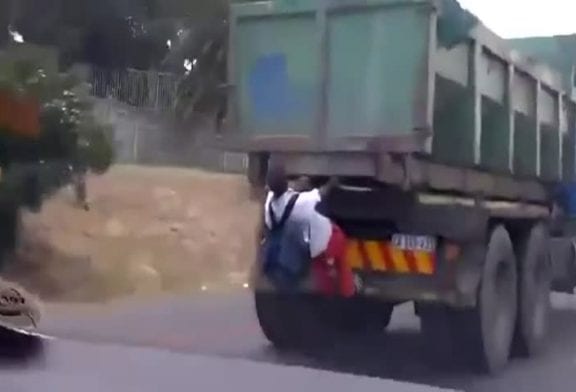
x=416 y=92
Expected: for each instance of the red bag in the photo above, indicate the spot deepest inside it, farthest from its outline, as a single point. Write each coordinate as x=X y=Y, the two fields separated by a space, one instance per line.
x=330 y=272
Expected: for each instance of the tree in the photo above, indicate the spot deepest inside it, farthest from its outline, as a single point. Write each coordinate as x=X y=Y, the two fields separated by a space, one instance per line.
x=193 y=9
x=186 y=37
x=34 y=165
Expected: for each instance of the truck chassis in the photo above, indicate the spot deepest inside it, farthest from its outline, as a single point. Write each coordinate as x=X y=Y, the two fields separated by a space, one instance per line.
x=479 y=271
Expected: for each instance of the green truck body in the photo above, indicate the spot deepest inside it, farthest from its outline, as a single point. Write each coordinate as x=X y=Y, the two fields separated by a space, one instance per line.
x=395 y=76
x=557 y=51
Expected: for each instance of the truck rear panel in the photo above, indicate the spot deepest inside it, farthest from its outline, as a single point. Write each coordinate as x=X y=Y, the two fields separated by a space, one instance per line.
x=377 y=76
x=312 y=75
x=392 y=274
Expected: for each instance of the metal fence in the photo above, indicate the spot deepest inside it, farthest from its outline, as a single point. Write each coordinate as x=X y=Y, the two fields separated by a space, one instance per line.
x=142 y=89
x=140 y=105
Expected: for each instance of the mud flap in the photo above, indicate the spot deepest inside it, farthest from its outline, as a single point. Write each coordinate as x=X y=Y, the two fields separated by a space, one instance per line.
x=563 y=259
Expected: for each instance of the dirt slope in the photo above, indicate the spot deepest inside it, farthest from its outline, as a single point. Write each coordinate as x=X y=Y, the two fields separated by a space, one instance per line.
x=149 y=230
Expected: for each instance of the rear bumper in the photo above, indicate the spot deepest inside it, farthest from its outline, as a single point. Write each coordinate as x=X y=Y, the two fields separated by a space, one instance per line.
x=403 y=288
x=450 y=276
x=392 y=288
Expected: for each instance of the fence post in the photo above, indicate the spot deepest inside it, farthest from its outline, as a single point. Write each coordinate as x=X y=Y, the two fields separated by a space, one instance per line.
x=135 y=144
x=157 y=103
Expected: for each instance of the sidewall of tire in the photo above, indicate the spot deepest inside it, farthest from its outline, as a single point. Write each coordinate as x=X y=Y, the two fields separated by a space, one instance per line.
x=497 y=309
x=296 y=321
x=475 y=337
x=534 y=286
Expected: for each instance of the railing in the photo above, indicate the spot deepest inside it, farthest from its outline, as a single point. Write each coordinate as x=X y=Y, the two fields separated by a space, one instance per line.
x=142 y=89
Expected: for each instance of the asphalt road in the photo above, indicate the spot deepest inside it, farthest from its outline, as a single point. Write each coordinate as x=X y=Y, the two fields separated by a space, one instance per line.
x=224 y=326
x=62 y=365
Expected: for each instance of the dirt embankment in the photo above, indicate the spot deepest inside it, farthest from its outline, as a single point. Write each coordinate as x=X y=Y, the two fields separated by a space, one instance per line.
x=148 y=230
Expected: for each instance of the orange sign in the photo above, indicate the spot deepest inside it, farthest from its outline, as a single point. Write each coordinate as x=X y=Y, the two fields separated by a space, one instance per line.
x=19 y=115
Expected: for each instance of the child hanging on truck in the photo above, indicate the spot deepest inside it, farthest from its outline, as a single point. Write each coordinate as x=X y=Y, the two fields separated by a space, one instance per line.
x=299 y=240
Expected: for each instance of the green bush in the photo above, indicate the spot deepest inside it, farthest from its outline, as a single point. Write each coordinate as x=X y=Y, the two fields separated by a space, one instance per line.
x=70 y=138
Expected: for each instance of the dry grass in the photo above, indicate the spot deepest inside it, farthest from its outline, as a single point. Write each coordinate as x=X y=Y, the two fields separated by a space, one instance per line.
x=149 y=231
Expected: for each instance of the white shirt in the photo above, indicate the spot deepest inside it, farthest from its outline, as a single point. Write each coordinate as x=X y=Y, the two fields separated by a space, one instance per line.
x=304 y=210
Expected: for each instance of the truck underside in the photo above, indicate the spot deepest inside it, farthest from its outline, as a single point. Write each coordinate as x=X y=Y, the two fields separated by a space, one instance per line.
x=478 y=270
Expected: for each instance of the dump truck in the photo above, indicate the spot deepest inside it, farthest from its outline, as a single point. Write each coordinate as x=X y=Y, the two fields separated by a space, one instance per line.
x=452 y=149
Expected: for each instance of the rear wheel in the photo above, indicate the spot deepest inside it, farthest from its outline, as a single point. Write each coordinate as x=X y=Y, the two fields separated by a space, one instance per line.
x=496 y=312
x=296 y=321
x=534 y=282
x=484 y=334
x=437 y=324
x=274 y=313
x=292 y=321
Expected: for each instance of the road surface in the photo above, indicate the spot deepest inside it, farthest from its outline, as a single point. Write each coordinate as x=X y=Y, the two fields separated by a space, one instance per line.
x=224 y=326
x=62 y=365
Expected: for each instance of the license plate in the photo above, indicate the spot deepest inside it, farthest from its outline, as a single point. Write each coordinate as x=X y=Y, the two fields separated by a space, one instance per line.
x=417 y=243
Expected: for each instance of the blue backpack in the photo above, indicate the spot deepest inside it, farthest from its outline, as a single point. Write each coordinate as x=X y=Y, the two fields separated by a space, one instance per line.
x=285 y=251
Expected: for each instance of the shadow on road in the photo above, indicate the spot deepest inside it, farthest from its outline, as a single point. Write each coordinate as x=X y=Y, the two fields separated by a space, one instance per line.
x=400 y=355
x=18 y=350
x=226 y=327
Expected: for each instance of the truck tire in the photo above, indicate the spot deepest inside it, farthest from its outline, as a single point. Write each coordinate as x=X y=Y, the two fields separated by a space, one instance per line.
x=295 y=321
x=494 y=318
x=534 y=286
x=277 y=318
x=437 y=325
x=483 y=335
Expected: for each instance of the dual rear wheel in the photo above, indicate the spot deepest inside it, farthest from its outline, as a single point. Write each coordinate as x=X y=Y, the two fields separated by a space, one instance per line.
x=513 y=302
x=510 y=317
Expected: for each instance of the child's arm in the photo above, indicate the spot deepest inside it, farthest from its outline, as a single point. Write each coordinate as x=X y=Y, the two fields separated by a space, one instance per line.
x=303 y=185
x=325 y=189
